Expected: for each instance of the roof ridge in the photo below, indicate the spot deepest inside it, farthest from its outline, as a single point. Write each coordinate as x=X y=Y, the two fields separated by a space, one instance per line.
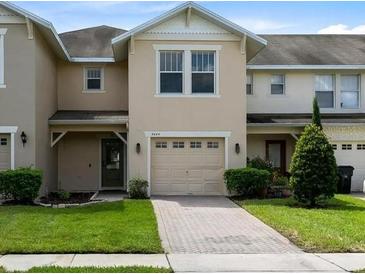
x=94 y=27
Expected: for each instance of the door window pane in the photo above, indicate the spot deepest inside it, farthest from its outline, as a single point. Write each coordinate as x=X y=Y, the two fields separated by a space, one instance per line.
x=275 y=155
x=324 y=90
x=350 y=89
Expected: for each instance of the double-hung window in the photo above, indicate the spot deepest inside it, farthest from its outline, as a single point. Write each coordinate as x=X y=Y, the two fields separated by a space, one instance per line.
x=350 y=90
x=203 y=71
x=277 y=84
x=325 y=90
x=249 y=90
x=94 y=79
x=171 y=71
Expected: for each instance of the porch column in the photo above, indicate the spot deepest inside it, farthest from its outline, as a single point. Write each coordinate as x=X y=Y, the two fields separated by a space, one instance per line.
x=12 y=150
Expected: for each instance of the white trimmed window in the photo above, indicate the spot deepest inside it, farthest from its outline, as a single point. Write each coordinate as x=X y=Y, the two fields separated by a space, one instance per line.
x=2 y=58
x=187 y=70
x=350 y=91
x=325 y=90
x=203 y=72
x=249 y=90
x=93 y=79
x=277 y=84
x=171 y=71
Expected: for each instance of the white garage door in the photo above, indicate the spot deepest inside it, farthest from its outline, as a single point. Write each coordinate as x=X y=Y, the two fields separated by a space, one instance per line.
x=4 y=151
x=187 y=166
x=352 y=154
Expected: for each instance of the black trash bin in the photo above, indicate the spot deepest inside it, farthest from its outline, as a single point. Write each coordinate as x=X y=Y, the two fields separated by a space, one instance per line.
x=344 y=183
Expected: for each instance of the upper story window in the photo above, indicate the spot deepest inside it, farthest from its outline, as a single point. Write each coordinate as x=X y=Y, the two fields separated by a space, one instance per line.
x=171 y=72
x=203 y=71
x=249 y=90
x=2 y=58
x=277 y=84
x=350 y=91
x=324 y=89
x=94 y=79
x=187 y=70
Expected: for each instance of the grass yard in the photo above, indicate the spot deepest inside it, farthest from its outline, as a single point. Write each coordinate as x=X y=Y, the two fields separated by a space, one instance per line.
x=120 y=227
x=336 y=228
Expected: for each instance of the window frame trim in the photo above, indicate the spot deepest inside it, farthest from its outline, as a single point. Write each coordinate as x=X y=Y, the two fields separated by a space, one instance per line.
x=91 y=91
x=334 y=91
x=2 y=57
x=187 y=69
x=358 y=91
x=283 y=84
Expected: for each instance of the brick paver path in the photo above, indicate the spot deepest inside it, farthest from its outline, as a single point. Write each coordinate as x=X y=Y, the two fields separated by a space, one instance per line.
x=190 y=224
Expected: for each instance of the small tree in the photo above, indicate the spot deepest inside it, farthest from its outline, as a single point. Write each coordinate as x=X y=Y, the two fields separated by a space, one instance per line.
x=313 y=168
x=316 y=116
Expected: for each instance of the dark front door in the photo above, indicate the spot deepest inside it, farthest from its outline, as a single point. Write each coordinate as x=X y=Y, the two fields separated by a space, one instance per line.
x=275 y=153
x=112 y=164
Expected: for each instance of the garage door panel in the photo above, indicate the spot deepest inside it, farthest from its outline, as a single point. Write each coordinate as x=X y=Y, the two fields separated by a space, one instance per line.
x=192 y=170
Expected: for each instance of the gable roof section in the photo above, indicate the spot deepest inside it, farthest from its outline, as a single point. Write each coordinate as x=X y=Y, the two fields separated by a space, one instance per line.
x=311 y=51
x=91 y=42
x=120 y=42
x=45 y=27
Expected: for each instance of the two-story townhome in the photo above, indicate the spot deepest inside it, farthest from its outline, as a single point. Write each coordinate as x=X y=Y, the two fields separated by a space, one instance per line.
x=169 y=100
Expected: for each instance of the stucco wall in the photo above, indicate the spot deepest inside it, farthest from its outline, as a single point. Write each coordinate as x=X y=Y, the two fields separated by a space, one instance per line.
x=150 y=113
x=46 y=106
x=70 y=85
x=299 y=92
x=17 y=100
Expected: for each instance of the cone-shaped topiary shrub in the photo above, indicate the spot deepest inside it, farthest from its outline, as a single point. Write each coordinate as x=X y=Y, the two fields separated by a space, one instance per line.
x=313 y=168
x=316 y=116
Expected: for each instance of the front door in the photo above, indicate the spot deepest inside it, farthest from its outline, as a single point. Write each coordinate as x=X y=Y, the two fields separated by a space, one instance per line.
x=112 y=164
x=275 y=153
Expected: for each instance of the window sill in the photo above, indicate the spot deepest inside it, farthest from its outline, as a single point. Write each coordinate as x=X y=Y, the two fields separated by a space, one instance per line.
x=91 y=91
x=159 y=95
x=2 y=86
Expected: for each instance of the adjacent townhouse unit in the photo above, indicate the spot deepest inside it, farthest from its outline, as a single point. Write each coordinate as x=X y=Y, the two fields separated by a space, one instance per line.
x=176 y=100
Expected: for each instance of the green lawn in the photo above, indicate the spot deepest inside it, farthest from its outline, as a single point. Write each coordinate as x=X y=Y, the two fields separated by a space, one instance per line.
x=340 y=227
x=120 y=269
x=120 y=227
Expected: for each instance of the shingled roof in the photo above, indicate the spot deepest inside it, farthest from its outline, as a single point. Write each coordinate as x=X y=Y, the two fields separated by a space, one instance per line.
x=312 y=50
x=90 y=42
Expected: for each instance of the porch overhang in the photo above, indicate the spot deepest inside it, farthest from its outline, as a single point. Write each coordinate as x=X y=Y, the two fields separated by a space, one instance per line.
x=63 y=122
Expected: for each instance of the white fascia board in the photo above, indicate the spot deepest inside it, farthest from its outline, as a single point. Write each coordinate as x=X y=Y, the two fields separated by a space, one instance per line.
x=88 y=122
x=176 y=10
x=299 y=67
x=187 y=134
x=37 y=20
x=10 y=129
x=277 y=124
x=92 y=59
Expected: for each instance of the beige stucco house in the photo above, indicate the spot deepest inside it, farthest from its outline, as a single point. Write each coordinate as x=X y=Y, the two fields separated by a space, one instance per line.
x=176 y=100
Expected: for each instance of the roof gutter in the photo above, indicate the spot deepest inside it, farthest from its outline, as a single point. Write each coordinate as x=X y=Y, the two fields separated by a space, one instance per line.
x=89 y=122
x=92 y=59
x=304 y=67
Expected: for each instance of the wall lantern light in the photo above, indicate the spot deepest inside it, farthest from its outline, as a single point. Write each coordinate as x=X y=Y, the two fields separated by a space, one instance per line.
x=237 y=148
x=24 y=138
x=138 y=148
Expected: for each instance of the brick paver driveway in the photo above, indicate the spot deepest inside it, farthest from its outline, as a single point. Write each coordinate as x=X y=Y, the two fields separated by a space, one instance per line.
x=190 y=224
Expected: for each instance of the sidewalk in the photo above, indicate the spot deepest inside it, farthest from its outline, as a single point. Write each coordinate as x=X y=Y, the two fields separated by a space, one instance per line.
x=286 y=262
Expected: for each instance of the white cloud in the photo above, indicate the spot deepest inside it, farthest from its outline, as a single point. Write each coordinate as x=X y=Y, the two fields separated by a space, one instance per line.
x=260 y=25
x=342 y=29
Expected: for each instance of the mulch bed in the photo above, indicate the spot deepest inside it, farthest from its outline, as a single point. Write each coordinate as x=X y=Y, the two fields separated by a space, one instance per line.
x=75 y=198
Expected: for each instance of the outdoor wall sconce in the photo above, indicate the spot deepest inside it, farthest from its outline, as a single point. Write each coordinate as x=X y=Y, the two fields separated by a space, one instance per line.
x=138 y=148
x=237 y=148
x=24 y=138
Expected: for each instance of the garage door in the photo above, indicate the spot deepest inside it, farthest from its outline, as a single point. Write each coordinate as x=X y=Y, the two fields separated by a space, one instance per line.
x=352 y=154
x=4 y=151
x=187 y=166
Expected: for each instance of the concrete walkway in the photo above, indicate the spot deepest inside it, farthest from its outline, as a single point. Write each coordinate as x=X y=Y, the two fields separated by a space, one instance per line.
x=295 y=262
x=214 y=225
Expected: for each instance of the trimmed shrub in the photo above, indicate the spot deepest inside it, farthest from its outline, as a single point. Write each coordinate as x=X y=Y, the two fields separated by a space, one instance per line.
x=246 y=181
x=259 y=163
x=138 y=188
x=313 y=168
x=21 y=184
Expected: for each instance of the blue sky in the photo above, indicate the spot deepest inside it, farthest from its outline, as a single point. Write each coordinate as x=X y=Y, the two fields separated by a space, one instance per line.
x=259 y=17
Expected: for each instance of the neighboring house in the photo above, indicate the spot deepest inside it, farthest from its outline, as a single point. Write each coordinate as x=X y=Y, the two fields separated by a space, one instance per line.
x=167 y=100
